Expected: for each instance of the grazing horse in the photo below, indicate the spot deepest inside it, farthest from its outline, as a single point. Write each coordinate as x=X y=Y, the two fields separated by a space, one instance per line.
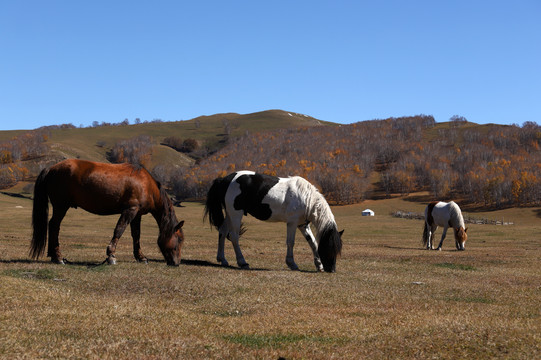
x=446 y=215
x=292 y=200
x=103 y=189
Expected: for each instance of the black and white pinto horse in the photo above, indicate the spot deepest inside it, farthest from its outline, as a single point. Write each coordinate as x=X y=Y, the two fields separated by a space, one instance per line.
x=292 y=200
x=439 y=213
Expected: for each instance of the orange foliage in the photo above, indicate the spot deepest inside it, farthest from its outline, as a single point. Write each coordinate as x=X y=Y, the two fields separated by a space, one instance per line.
x=498 y=166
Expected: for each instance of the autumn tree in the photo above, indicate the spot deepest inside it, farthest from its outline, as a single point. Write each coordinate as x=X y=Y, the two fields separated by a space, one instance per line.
x=137 y=150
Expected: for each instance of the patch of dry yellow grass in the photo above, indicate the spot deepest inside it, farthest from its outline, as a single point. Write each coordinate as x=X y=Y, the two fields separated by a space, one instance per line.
x=389 y=298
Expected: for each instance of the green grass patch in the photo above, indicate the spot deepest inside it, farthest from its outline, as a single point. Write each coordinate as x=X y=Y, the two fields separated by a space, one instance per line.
x=41 y=274
x=275 y=341
x=82 y=246
x=456 y=266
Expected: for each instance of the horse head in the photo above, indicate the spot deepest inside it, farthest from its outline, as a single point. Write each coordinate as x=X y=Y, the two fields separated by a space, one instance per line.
x=460 y=237
x=171 y=245
x=329 y=248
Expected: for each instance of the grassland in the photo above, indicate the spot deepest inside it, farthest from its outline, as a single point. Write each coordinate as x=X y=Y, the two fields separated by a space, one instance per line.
x=388 y=299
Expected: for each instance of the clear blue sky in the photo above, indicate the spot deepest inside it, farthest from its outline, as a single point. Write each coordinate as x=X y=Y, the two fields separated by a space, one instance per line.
x=342 y=61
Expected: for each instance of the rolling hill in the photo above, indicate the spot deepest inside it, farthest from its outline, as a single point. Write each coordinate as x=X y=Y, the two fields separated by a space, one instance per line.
x=210 y=131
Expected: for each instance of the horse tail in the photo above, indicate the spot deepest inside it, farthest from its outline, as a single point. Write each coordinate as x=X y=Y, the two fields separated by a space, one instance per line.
x=425 y=235
x=215 y=202
x=40 y=214
x=429 y=221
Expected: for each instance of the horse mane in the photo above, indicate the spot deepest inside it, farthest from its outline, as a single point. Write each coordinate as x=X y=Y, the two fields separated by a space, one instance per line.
x=317 y=208
x=168 y=219
x=319 y=213
x=456 y=218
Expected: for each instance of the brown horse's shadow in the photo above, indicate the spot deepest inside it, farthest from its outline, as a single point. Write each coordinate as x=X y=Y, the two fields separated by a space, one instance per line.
x=17 y=261
x=67 y=262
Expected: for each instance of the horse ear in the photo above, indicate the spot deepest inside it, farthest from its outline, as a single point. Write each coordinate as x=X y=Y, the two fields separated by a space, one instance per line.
x=341 y=232
x=466 y=230
x=179 y=225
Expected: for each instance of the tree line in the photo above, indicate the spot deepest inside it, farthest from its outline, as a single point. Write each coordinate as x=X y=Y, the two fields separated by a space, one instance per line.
x=28 y=146
x=491 y=165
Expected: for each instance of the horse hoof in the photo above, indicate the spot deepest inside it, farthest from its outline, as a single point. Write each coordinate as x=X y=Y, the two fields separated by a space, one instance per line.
x=111 y=260
x=224 y=262
x=58 y=261
x=143 y=260
x=245 y=267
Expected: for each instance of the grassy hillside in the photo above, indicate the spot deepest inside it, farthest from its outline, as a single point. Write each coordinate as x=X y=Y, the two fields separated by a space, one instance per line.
x=485 y=165
x=93 y=143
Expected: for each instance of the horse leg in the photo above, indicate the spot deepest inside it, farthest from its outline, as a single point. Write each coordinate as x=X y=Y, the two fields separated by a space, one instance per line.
x=135 y=226
x=307 y=233
x=125 y=218
x=432 y=234
x=428 y=236
x=238 y=253
x=53 y=250
x=222 y=234
x=442 y=237
x=290 y=242
x=234 y=219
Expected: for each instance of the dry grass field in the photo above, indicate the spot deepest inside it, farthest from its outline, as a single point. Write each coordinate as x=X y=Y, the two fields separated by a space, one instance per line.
x=388 y=299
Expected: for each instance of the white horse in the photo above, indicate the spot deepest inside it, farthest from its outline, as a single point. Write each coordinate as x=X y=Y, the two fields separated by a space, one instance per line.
x=446 y=215
x=292 y=200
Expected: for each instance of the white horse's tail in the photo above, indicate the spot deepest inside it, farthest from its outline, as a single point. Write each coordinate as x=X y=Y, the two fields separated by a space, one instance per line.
x=429 y=220
x=425 y=235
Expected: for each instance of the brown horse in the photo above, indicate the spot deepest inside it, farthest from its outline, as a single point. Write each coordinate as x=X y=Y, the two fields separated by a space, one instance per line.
x=103 y=189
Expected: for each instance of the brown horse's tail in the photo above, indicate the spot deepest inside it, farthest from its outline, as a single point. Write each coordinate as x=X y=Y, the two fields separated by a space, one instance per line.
x=40 y=213
x=215 y=203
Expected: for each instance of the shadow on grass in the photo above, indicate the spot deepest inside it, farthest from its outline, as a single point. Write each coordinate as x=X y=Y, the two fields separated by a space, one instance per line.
x=403 y=248
x=420 y=248
x=187 y=262
x=16 y=195
x=18 y=261
x=205 y=263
